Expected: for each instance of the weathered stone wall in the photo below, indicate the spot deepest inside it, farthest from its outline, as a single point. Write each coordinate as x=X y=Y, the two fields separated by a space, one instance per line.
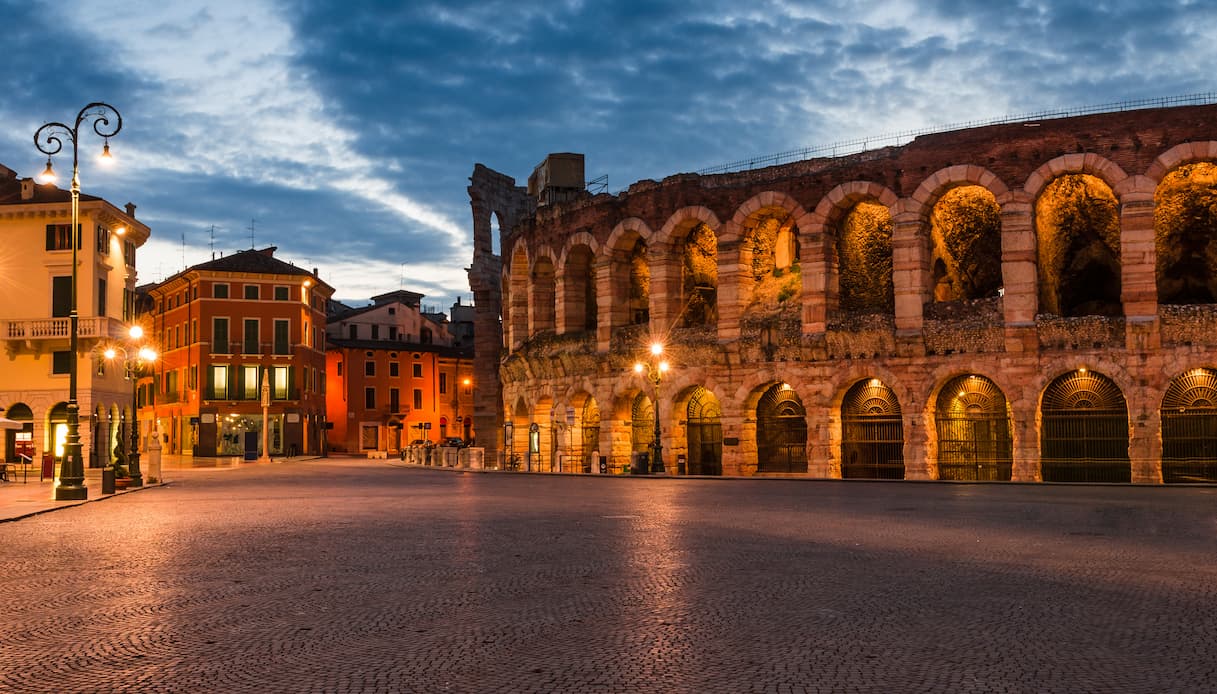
x=821 y=351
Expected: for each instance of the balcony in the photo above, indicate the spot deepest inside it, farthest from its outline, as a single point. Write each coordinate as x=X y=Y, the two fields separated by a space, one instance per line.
x=31 y=329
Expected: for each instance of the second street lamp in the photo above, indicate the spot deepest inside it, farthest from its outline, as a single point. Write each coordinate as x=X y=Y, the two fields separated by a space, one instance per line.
x=653 y=370
x=134 y=355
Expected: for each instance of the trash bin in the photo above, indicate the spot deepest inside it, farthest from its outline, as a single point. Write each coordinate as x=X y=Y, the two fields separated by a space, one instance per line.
x=681 y=465
x=639 y=463
x=604 y=464
x=107 y=480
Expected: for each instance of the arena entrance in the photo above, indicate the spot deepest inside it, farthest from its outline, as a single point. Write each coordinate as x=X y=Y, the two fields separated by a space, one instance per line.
x=973 y=431
x=705 y=434
x=781 y=431
x=872 y=442
x=1084 y=434
x=1189 y=428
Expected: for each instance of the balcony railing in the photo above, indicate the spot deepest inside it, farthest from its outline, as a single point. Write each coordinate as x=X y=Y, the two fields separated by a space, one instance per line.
x=58 y=328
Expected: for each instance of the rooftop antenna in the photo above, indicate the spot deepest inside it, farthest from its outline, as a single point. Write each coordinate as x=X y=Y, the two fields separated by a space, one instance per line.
x=252 y=222
x=183 y=250
x=212 y=231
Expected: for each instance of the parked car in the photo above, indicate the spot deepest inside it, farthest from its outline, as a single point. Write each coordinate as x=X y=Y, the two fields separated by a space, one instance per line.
x=453 y=442
x=422 y=442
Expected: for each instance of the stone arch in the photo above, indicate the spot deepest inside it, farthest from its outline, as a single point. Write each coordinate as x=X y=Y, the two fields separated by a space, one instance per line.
x=1185 y=233
x=1189 y=427
x=689 y=270
x=959 y=232
x=1078 y=242
x=20 y=442
x=542 y=285
x=825 y=230
x=1084 y=429
x=629 y=255
x=872 y=431
x=760 y=255
x=515 y=294
x=781 y=429
x=1185 y=153
x=973 y=430
x=577 y=284
x=702 y=433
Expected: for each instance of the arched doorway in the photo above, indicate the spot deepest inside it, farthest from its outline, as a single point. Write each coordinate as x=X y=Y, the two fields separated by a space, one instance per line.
x=642 y=424
x=57 y=430
x=705 y=434
x=781 y=431
x=973 y=431
x=589 y=420
x=1189 y=428
x=20 y=442
x=1084 y=430
x=872 y=442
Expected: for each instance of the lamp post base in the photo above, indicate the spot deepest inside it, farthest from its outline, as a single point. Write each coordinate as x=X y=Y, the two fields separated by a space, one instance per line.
x=72 y=492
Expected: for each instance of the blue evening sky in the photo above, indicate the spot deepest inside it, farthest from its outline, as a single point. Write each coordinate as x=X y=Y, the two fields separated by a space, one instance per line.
x=348 y=130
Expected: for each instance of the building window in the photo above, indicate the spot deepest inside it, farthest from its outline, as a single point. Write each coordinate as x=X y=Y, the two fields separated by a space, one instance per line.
x=394 y=369
x=101 y=297
x=219 y=291
x=251 y=291
x=418 y=399
x=369 y=435
x=219 y=336
x=219 y=382
x=249 y=383
x=418 y=370
x=250 y=343
x=369 y=398
x=61 y=296
x=58 y=237
x=443 y=383
x=394 y=400
x=392 y=332
x=282 y=333
x=61 y=362
x=375 y=332
x=339 y=365
x=103 y=241
x=281 y=390
x=193 y=336
x=307 y=335
x=281 y=294
x=353 y=331
x=369 y=368
x=129 y=253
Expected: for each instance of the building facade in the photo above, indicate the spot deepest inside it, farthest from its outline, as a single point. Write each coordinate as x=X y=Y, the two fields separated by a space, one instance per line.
x=35 y=302
x=1026 y=301
x=232 y=332
x=395 y=377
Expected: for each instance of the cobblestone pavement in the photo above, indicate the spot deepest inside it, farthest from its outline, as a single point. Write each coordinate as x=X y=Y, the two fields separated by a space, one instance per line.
x=357 y=576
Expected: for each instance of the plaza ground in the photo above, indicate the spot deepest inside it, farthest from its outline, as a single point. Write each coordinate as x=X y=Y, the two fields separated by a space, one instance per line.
x=356 y=575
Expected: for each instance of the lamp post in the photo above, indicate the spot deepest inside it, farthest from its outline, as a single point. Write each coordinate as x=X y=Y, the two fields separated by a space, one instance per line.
x=134 y=355
x=653 y=370
x=49 y=139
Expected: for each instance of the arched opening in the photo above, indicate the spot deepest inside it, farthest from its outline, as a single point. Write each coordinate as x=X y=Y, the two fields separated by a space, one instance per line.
x=973 y=428
x=770 y=247
x=579 y=290
x=872 y=441
x=518 y=297
x=1185 y=226
x=864 y=260
x=1077 y=224
x=781 y=431
x=1189 y=428
x=640 y=284
x=19 y=442
x=542 y=304
x=589 y=432
x=1084 y=430
x=57 y=429
x=965 y=230
x=699 y=277
x=642 y=424
x=705 y=433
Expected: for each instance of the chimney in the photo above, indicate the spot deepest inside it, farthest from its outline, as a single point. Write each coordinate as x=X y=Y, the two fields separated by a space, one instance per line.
x=27 y=189
x=314 y=272
x=131 y=210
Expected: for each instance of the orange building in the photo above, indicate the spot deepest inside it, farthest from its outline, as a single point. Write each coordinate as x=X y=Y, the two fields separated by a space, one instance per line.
x=394 y=377
x=225 y=328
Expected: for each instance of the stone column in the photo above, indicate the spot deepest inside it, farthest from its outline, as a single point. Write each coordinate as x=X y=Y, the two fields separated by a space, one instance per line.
x=910 y=272
x=1020 y=293
x=1138 y=264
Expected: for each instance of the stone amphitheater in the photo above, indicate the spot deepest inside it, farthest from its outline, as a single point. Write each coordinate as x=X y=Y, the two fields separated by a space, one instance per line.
x=1027 y=301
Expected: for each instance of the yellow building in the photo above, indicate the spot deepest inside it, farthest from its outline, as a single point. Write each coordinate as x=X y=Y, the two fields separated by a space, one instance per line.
x=35 y=300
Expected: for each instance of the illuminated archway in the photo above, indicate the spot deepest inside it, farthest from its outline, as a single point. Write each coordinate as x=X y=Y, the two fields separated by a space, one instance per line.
x=705 y=433
x=1084 y=430
x=973 y=429
x=872 y=441
x=781 y=431
x=1189 y=428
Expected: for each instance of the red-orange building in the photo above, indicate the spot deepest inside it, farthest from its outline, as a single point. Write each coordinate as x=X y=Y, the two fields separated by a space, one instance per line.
x=394 y=377
x=223 y=327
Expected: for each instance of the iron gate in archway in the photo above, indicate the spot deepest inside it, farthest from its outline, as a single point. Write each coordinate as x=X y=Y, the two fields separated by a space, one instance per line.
x=1084 y=430
x=781 y=431
x=973 y=431
x=872 y=440
x=705 y=434
x=1189 y=428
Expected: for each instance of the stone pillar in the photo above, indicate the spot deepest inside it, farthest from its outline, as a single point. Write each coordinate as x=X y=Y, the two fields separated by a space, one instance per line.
x=910 y=272
x=1020 y=287
x=731 y=274
x=1138 y=263
x=817 y=294
x=611 y=304
x=666 y=301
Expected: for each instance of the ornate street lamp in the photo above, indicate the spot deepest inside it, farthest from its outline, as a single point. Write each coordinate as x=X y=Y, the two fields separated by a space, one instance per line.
x=134 y=356
x=653 y=370
x=49 y=140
